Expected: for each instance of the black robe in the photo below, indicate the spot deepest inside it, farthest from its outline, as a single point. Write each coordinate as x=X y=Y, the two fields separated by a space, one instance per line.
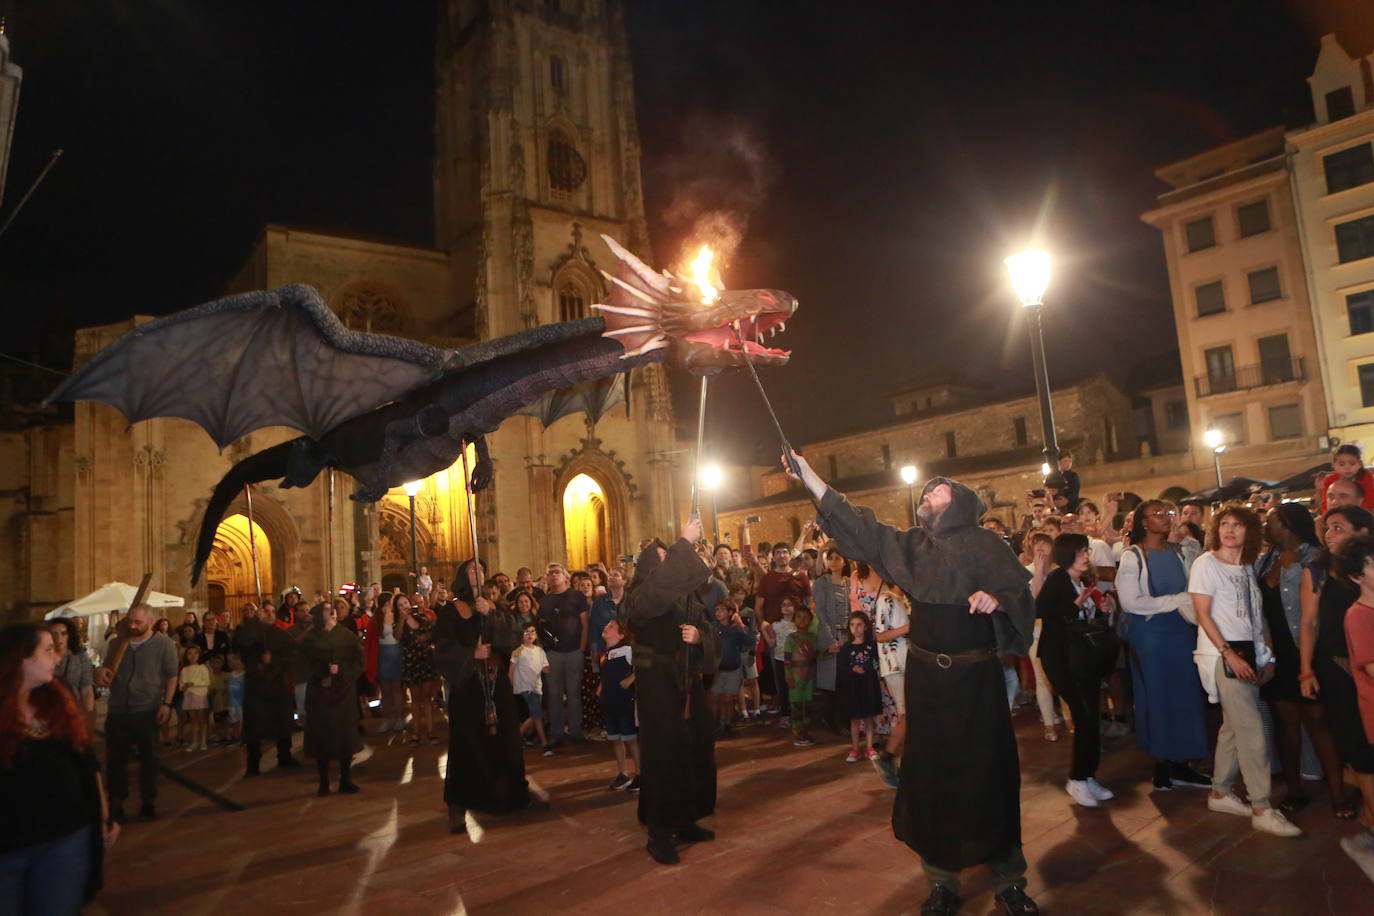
x=486 y=771
x=268 y=698
x=677 y=754
x=331 y=701
x=959 y=803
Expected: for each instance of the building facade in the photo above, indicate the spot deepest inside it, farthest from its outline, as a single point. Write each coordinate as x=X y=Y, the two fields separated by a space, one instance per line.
x=536 y=155
x=1331 y=163
x=1236 y=274
x=10 y=77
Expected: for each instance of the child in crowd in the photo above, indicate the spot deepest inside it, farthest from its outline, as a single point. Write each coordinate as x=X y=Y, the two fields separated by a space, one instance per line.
x=733 y=640
x=1347 y=463
x=616 y=693
x=217 y=701
x=749 y=681
x=775 y=635
x=856 y=682
x=233 y=698
x=195 y=689
x=527 y=663
x=799 y=658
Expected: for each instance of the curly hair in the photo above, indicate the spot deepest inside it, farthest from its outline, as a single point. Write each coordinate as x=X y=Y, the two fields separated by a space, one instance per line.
x=52 y=701
x=1254 y=530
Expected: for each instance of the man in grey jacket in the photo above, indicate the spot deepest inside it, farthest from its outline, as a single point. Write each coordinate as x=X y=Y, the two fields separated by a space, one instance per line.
x=142 y=681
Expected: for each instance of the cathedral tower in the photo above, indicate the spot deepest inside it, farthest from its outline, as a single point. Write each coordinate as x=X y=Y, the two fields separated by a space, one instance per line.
x=537 y=155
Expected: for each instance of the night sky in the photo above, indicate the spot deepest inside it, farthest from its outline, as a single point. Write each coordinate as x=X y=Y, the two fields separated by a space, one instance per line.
x=885 y=158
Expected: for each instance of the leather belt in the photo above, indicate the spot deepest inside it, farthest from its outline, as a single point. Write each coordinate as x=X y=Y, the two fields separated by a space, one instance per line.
x=950 y=659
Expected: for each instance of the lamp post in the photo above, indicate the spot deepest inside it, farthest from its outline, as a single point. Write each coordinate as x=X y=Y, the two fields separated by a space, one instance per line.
x=412 y=487
x=1030 y=274
x=710 y=479
x=1216 y=441
x=909 y=478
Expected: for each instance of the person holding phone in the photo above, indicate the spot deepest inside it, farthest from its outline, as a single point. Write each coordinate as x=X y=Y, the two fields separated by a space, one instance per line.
x=1234 y=660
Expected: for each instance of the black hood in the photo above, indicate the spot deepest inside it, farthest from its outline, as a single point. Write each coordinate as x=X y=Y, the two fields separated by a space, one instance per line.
x=647 y=562
x=965 y=509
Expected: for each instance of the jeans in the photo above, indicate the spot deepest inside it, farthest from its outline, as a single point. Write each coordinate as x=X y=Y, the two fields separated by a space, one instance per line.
x=565 y=677
x=48 y=879
x=1007 y=871
x=123 y=730
x=1241 y=746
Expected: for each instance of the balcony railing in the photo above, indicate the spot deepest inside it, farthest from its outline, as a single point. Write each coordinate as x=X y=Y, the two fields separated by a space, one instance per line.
x=1244 y=378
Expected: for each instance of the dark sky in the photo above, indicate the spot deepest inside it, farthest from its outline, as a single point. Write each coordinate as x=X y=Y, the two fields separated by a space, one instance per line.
x=895 y=155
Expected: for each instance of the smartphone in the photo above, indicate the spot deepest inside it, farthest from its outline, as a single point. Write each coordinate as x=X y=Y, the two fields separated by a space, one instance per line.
x=753 y=520
x=1037 y=494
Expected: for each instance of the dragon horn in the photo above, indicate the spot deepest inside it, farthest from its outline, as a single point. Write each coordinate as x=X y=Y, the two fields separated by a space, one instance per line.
x=639 y=267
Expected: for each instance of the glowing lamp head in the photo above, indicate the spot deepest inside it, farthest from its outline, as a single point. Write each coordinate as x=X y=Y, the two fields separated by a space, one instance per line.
x=702 y=274
x=411 y=487
x=711 y=477
x=909 y=474
x=1030 y=275
x=1045 y=469
x=1214 y=438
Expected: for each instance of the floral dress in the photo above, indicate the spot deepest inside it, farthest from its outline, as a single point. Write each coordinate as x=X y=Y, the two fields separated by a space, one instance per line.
x=417 y=652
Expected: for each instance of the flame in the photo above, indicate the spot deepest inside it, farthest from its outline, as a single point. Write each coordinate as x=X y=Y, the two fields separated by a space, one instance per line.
x=701 y=274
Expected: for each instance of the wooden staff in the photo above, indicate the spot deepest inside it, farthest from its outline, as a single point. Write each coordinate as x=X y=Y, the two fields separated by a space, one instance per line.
x=487 y=672
x=122 y=646
x=329 y=533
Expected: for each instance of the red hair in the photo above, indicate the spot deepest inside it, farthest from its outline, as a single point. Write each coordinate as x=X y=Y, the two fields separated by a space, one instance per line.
x=52 y=702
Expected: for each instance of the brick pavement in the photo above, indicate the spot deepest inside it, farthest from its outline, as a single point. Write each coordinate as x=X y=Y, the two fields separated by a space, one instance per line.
x=799 y=831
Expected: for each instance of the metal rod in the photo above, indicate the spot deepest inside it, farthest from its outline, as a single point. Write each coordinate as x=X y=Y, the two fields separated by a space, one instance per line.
x=782 y=436
x=414 y=553
x=56 y=155
x=1042 y=387
x=701 y=438
x=253 y=542
x=715 y=523
x=1216 y=458
x=472 y=517
x=911 y=495
x=329 y=531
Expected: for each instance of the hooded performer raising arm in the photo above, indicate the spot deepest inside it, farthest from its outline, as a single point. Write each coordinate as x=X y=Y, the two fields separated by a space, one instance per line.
x=672 y=646
x=959 y=801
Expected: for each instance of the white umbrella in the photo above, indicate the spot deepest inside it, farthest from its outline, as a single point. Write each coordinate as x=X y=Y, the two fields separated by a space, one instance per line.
x=113 y=596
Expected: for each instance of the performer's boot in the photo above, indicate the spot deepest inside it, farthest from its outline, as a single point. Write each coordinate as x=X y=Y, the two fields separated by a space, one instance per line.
x=284 y=759
x=1015 y=902
x=661 y=847
x=457 y=819
x=943 y=901
x=346 y=784
x=323 y=766
x=254 y=749
x=694 y=833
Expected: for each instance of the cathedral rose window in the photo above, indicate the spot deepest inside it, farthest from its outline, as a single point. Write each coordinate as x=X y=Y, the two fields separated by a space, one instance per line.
x=567 y=169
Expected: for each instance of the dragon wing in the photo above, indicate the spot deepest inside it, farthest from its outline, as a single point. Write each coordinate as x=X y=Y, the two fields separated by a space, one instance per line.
x=272 y=358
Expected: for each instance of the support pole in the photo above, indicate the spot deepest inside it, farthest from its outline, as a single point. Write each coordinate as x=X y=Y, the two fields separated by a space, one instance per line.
x=329 y=532
x=253 y=542
x=701 y=439
x=472 y=517
x=1042 y=387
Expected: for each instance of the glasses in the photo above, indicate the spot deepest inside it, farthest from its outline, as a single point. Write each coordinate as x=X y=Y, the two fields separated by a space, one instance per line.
x=1161 y=514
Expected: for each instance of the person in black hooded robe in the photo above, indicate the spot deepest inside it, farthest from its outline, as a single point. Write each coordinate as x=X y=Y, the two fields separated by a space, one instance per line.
x=486 y=762
x=959 y=802
x=672 y=644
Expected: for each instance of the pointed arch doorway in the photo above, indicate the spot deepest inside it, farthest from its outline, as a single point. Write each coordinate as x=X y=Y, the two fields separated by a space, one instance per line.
x=585 y=521
x=230 y=582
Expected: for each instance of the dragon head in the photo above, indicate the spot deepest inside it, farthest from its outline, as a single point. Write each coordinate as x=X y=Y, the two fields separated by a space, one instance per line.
x=648 y=311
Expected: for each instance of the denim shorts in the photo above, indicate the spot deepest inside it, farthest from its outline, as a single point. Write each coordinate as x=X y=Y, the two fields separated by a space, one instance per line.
x=620 y=721
x=534 y=702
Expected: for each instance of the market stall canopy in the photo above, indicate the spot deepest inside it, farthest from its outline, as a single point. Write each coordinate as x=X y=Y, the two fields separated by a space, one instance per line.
x=112 y=596
x=1237 y=488
x=1304 y=480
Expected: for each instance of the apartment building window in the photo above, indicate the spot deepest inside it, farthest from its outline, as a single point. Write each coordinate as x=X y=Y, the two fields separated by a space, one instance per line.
x=1232 y=426
x=1355 y=239
x=887 y=457
x=1176 y=414
x=1109 y=439
x=1200 y=234
x=1252 y=219
x=1340 y=103
x=1285 y=422
x=1349 y=168
x=1276 y=362
x=1264 y=285
x=951 y=450
x=1211 y=298
x=1360 y=307
x=1367 y=384
x=1018 y=425
x=1221 y=369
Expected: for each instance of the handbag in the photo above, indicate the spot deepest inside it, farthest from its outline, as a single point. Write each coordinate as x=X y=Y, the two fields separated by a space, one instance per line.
x=1245 y=648
x=1093 y=647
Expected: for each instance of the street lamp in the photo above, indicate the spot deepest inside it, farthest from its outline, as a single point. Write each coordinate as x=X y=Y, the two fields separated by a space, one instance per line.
x=711 y=476
x=1030 y=274
x=1216 y=441
x=412 y=487
x=909 y=478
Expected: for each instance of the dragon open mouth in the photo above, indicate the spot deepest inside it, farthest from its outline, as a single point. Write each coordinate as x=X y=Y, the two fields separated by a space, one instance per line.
x=754 y=331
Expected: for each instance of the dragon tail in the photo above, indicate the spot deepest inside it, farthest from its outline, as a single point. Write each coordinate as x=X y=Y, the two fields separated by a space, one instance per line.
x=268 y=464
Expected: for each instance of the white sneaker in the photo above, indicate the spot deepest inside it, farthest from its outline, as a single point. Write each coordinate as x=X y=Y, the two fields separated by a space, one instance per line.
x=1080 y=792
x=1099 y=791
x=1360 y=847
x=1273 y=821
x=1229 y=804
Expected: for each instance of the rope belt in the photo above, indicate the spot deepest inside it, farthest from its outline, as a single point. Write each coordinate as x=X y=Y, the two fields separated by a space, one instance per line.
x=950 y=659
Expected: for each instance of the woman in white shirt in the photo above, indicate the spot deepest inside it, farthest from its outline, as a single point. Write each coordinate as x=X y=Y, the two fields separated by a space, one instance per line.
x=1234 y=659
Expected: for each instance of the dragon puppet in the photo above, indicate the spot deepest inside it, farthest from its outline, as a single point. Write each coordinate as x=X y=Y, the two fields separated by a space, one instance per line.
x=386 y=409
